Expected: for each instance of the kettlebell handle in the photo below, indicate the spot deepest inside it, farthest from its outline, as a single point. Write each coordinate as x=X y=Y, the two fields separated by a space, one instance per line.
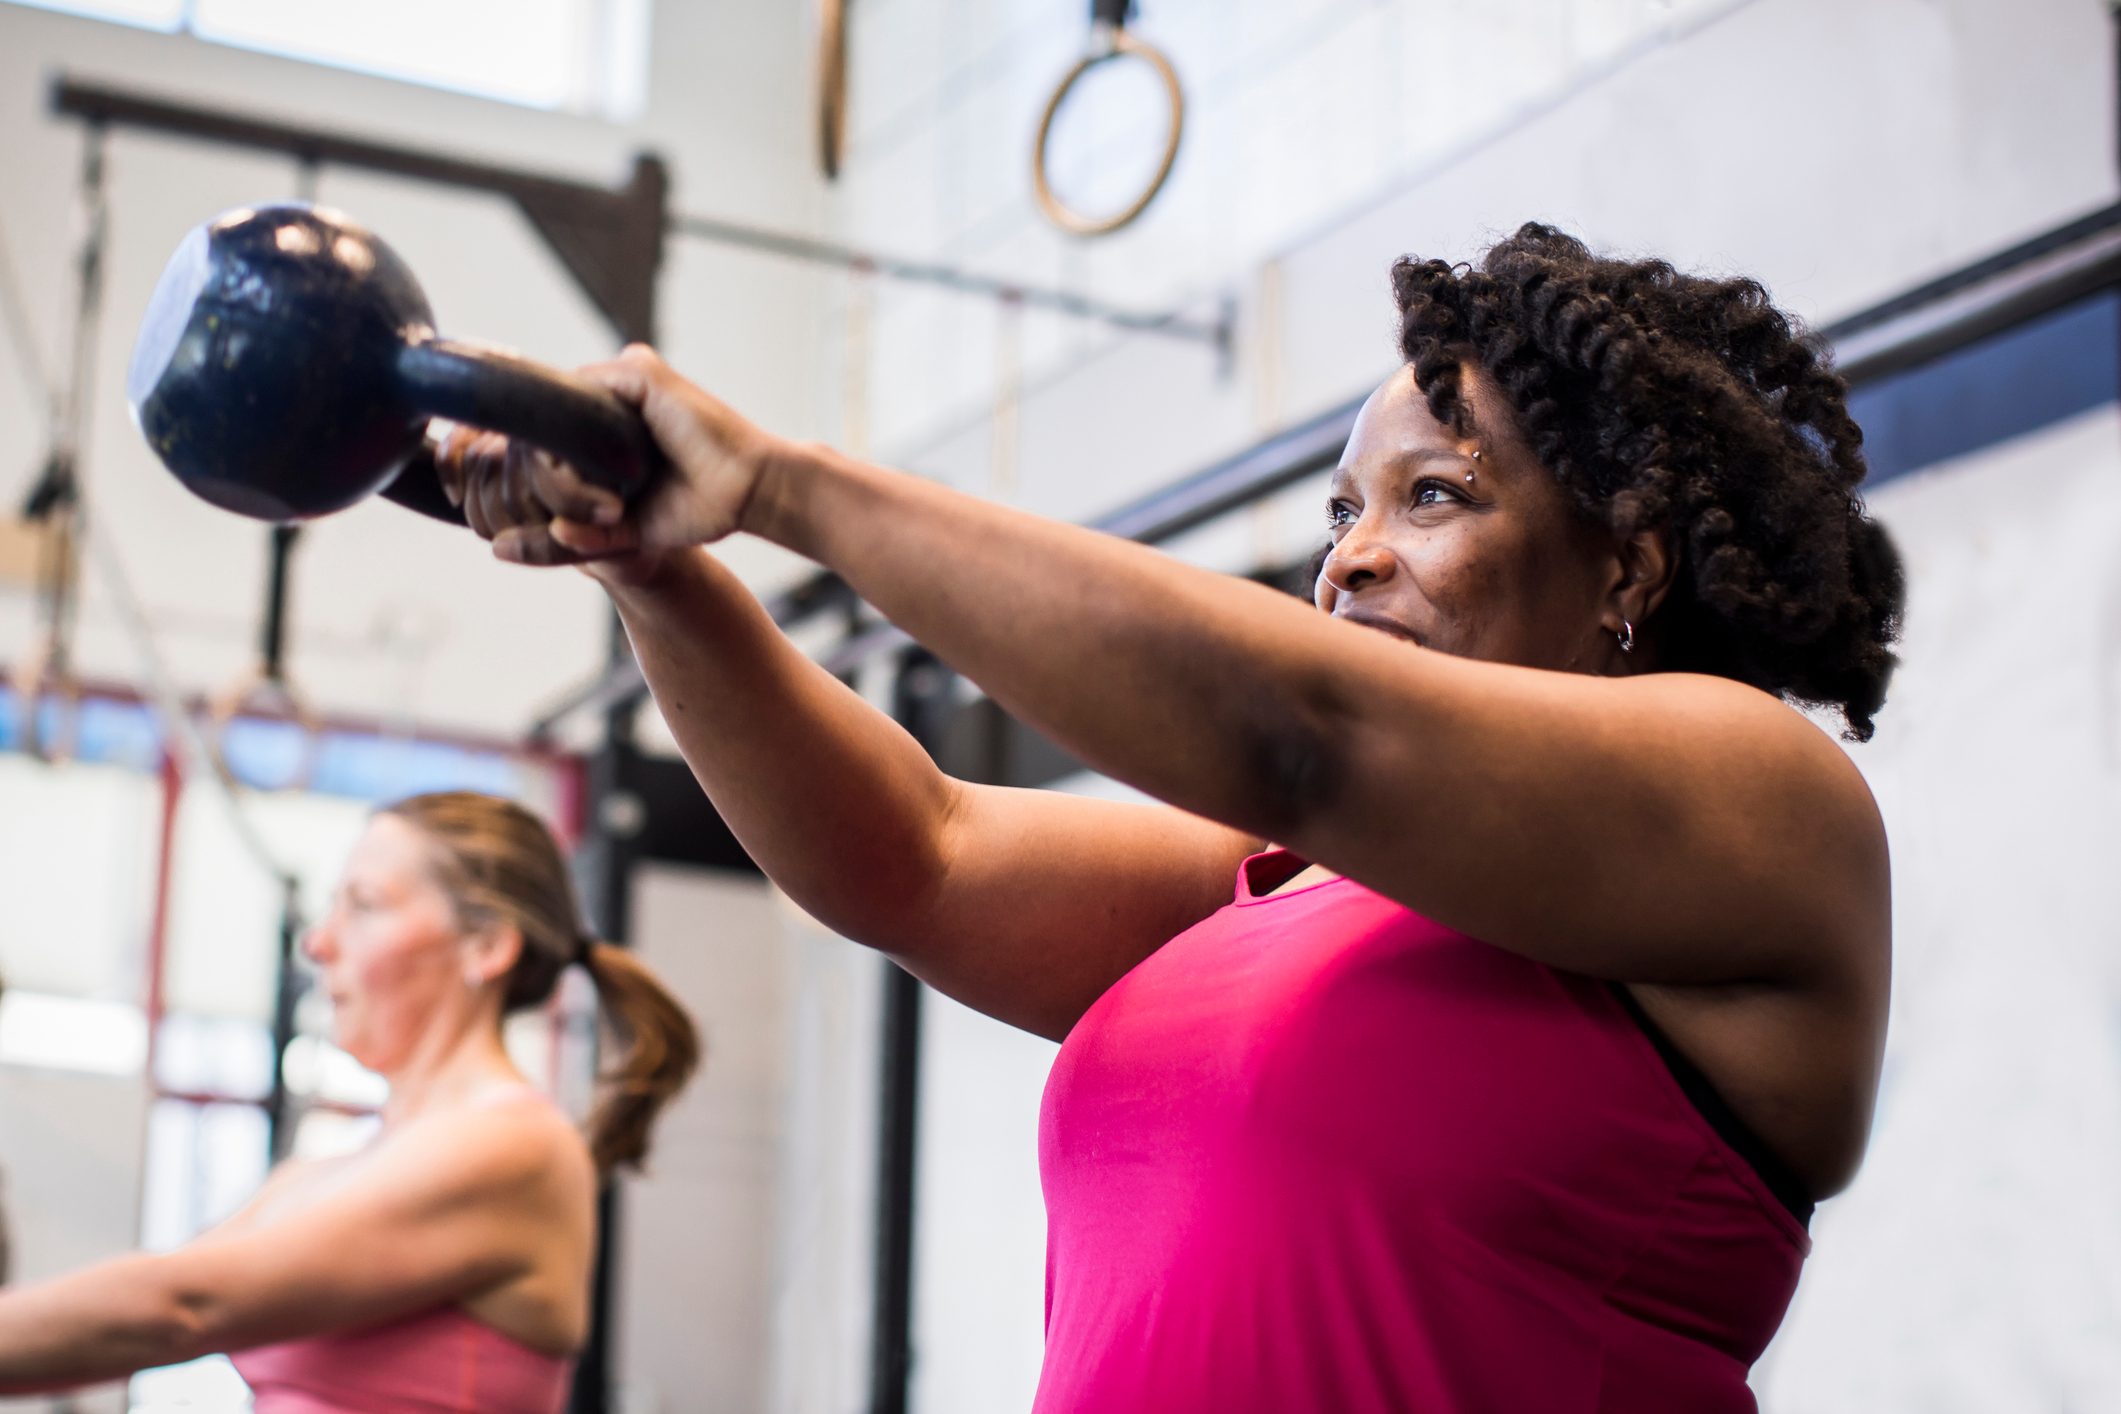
x=501 y=392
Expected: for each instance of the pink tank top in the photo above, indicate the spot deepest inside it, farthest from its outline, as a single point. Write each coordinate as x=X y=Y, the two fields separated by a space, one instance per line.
x=444 y=1359
x=1317 y=1152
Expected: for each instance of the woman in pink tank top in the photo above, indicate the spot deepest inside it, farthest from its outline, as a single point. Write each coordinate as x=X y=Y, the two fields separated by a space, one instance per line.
x=446 y=1266
x=1507 y=1086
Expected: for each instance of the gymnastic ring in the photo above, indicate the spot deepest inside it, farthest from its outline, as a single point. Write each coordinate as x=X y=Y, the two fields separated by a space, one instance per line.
x=831 y=85
x=280 y=698
x=1112 y=43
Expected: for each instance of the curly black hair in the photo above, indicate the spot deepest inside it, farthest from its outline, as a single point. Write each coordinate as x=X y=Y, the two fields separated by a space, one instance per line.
x=1658 y=398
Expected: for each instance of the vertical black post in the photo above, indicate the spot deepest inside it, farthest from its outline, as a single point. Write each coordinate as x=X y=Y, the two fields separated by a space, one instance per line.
x=619 y=274
x=921 y=700
x=891 y=1355
x=279 y=1108
x=272 y=637
x=605 y=865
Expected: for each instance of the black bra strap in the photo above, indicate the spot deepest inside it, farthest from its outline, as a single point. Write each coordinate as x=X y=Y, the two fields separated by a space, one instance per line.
x=1780 y=1180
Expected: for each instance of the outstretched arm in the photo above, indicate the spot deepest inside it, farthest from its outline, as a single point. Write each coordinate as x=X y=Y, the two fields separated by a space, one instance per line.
x=1025 y=905
x=1665 y=828
x=438 y=1215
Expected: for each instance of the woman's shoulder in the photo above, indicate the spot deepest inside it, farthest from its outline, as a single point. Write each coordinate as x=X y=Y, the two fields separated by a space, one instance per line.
x=504 y=1135
x=1775 y=730
x=517 y=1100
x=1798 y=781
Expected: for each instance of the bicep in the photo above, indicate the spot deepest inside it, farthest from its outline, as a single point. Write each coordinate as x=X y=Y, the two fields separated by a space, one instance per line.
x=1045 y=899
x=436 y=1223
x=261 y=1202
x=1666 y=828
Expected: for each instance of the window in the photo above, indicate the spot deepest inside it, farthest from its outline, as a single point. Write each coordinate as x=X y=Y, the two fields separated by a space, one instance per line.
x=577 y=56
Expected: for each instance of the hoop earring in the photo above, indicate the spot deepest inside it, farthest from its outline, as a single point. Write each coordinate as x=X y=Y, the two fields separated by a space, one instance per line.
x=1626 y=636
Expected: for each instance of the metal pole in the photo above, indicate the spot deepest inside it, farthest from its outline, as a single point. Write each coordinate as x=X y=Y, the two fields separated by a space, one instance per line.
x=1216 y=333
x=272 y=634
x=605 y=863
x=921 y=698
x=280 y=1114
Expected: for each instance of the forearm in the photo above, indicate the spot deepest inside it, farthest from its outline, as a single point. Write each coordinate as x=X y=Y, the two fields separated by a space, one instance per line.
x=101 y=1323
x=839 y=806
x=1204 y=690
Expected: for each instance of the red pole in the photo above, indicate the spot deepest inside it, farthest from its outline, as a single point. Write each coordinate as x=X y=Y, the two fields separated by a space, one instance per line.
x=570 y=812
x=172 y=776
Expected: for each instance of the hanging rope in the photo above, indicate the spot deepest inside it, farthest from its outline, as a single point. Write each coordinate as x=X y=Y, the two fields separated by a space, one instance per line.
x=22 y=332
x=186 y=743
x=60 y=503
x=54 y=502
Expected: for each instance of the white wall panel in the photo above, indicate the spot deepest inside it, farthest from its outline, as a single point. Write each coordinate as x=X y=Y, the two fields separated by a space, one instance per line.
x=1975 y=1265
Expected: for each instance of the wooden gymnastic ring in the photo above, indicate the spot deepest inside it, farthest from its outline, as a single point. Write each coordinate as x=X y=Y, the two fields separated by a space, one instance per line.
x=1120 y=44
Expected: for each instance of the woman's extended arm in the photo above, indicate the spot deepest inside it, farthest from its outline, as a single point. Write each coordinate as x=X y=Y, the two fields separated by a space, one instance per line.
x=1664 y=828
x=1023 y=904
x=440 y=1214
x=1610 y=826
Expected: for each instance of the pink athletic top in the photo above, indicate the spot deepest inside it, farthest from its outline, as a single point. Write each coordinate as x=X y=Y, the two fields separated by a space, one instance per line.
x=1317 y=1152
x=441 y=1360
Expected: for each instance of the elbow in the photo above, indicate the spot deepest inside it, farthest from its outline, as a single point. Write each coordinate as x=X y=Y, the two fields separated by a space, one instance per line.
x=186 y=1333
x=174 y=1324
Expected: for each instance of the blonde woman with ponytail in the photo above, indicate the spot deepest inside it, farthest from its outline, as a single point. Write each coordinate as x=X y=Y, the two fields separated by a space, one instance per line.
x=445 y=1266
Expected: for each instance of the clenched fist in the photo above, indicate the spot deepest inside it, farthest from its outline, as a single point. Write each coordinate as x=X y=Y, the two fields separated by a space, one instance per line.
x=538 y=510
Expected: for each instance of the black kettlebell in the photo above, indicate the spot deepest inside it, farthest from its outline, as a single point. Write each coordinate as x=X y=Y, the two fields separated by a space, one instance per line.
x=288 y=366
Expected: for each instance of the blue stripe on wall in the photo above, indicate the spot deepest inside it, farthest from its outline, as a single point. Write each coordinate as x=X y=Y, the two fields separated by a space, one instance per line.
x=2005 y=386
